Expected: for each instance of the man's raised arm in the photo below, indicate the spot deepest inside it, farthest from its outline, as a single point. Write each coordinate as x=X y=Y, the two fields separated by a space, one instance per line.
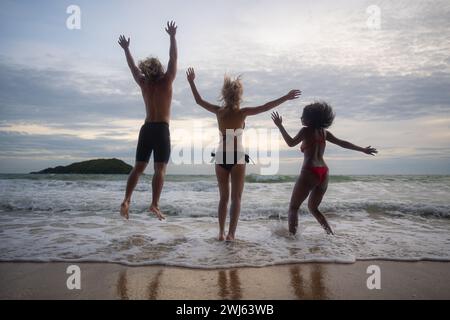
x=171 y=29
x=125 y=44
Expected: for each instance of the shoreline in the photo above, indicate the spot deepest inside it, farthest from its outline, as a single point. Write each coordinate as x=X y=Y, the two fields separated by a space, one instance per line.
x=226 y=267
x=399 y=280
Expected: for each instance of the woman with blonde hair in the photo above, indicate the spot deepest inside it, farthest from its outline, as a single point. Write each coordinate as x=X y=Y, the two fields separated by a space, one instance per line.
x=230 y=163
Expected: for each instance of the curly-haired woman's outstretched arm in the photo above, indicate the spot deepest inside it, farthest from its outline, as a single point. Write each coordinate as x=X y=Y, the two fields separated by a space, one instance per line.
x=291 y=142
x=348 y=145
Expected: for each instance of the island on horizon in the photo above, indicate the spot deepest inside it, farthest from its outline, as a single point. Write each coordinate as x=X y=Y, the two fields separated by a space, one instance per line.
x=95 y=166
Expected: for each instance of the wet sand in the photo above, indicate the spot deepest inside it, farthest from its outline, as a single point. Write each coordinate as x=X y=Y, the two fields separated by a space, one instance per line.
x=399 y=280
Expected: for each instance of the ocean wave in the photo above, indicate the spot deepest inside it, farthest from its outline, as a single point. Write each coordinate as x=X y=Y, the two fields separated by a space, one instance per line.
x=378 y=179
x=191 y=241
x=249 y=212
x=256 y=178
x=392 y=209
x=250 y=178
x=208 y=253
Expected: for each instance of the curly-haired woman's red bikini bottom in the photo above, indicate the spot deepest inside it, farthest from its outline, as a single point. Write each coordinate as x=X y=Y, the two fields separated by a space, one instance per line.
x=320 y=172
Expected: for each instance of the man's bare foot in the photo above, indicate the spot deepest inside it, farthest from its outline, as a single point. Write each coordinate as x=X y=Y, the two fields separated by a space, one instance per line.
x=221 y=236
x=153 y=208
x=124 y=209
x=293 y=222
x=230 y=237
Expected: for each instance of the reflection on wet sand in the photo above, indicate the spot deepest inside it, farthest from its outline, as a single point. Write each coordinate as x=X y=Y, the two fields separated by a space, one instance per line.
x=302 y=281
x=308 y=285
x=122 y=287
x=153 y=287
x=125 y=290
x=229 y=284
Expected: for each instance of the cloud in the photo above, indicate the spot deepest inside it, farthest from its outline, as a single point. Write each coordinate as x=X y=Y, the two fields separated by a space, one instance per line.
x=70 y=95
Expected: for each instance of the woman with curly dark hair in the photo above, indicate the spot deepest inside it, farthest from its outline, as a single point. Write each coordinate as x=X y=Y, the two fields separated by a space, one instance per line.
x=313 y=179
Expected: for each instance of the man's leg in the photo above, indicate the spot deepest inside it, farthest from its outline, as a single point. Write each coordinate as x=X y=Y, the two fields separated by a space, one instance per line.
x=133 y=179
x=157 y=185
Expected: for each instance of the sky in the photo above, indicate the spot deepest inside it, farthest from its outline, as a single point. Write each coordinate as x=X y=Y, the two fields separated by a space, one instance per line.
x=67 y=95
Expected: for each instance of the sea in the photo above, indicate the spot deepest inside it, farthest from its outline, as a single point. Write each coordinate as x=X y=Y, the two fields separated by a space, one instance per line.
x=75 y=218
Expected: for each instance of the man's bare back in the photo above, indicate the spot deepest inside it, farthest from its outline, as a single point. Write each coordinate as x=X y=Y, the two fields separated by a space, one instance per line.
x=158 y=99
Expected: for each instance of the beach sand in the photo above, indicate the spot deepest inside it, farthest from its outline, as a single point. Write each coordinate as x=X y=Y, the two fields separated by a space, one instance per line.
x=399 y=280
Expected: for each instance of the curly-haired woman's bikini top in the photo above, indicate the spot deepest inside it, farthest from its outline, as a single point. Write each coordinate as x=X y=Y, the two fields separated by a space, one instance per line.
x=320 y=140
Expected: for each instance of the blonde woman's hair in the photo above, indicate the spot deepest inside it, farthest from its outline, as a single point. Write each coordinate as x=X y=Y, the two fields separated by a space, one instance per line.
x=232 y=92
x=151 y=68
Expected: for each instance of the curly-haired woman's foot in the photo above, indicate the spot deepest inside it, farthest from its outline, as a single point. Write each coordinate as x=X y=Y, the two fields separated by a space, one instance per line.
x=124 y=207
x=328 y=229
x=293 y=222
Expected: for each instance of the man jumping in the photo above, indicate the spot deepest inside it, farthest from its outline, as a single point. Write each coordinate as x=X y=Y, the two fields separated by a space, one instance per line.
x=154 y=136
